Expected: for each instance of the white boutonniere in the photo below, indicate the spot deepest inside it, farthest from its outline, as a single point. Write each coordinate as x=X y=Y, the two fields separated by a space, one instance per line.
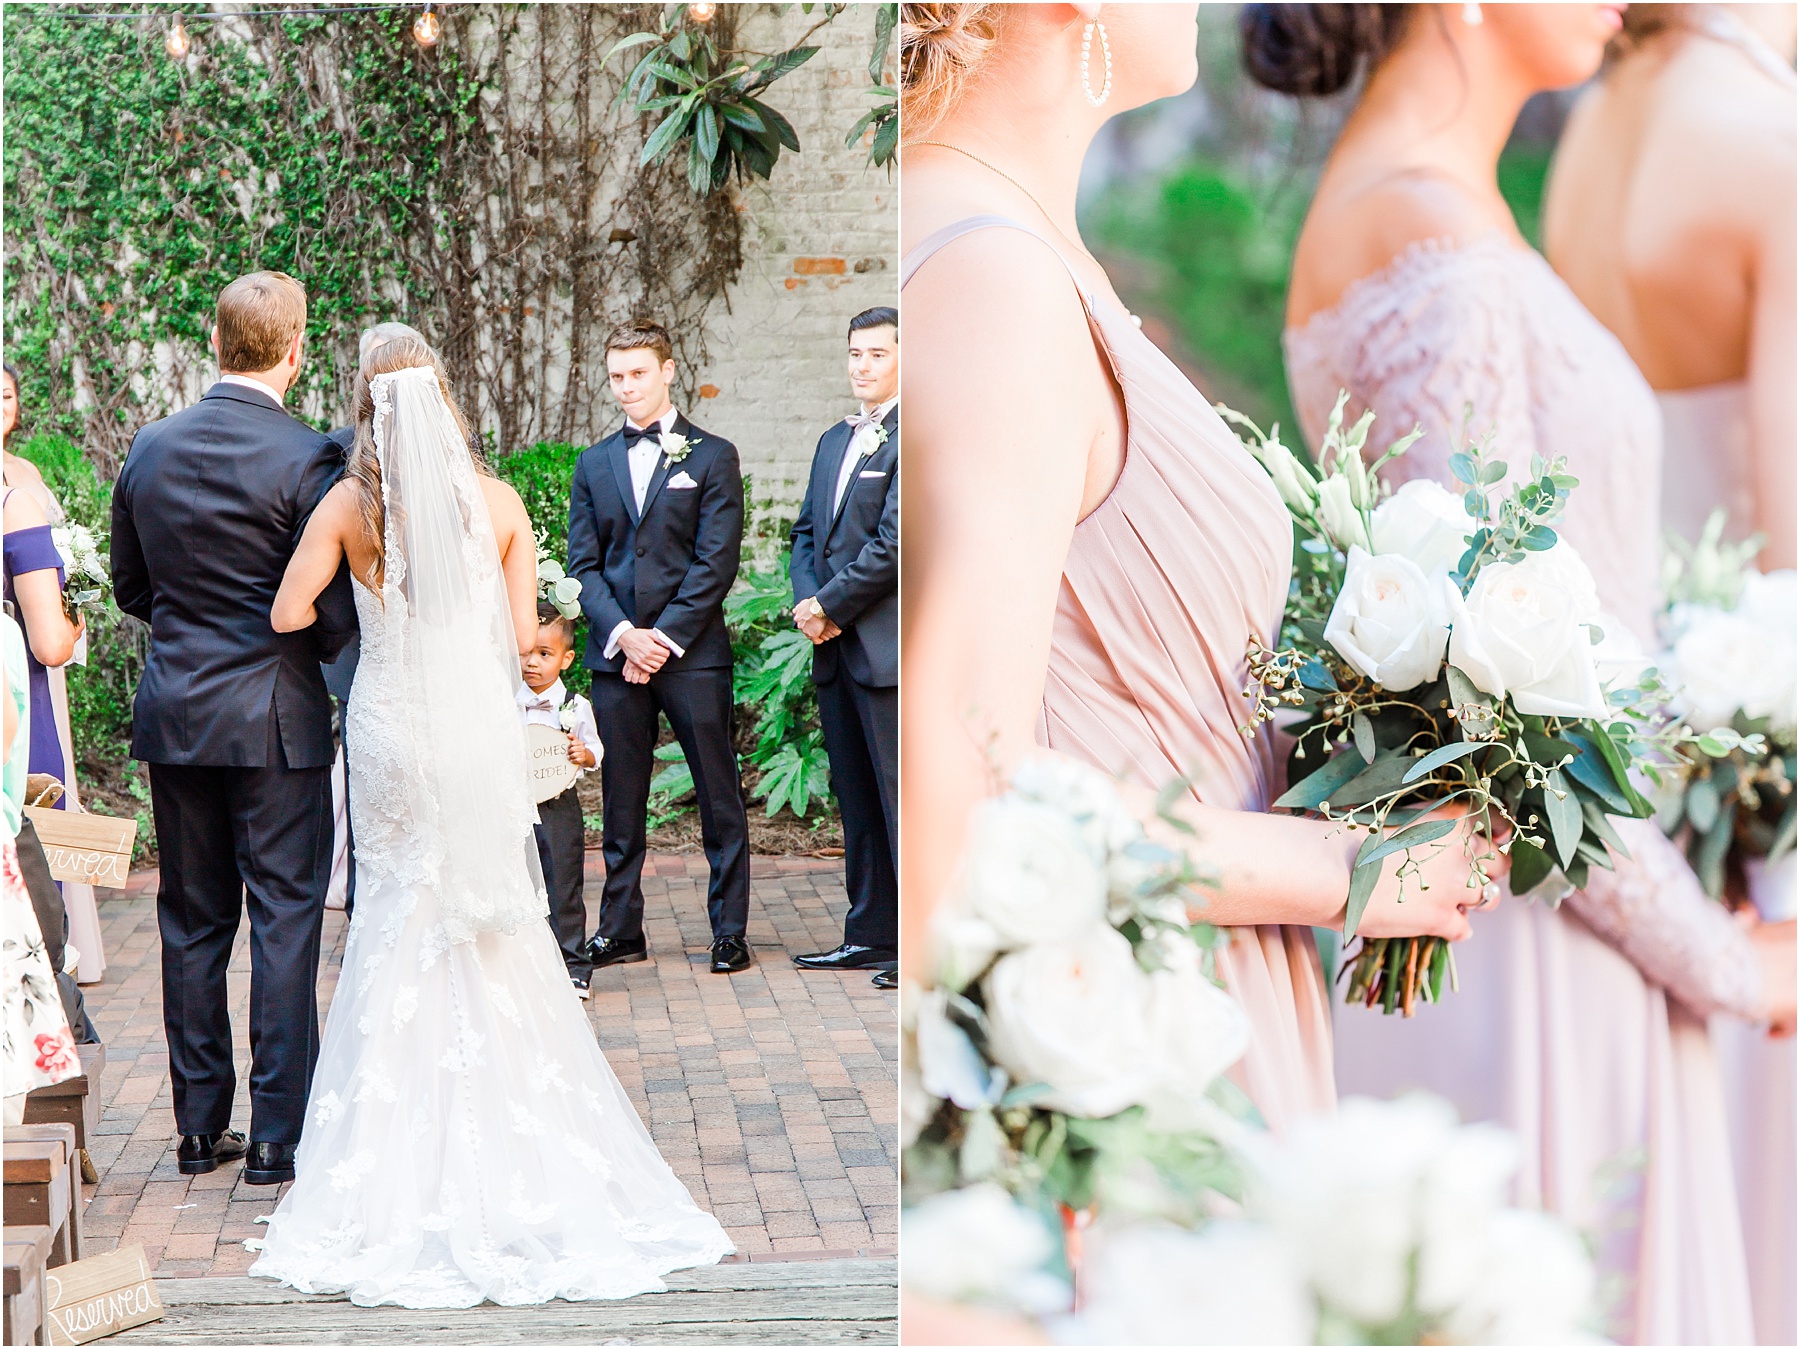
x=881 y=438
x=566 y=717
x=675 y=447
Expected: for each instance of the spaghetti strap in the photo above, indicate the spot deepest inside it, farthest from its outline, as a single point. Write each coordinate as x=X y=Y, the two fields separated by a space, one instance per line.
x=910 y=264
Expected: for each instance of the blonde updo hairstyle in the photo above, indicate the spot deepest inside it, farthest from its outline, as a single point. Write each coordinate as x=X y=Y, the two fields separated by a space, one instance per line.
x=363 y=468
x=941 y=48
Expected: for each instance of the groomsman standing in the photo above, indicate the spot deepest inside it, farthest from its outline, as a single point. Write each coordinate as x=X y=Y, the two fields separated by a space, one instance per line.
x=846 y=575
x=656 y=525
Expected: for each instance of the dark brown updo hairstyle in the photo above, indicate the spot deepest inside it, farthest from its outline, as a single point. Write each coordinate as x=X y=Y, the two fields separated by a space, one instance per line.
x=1314 y=51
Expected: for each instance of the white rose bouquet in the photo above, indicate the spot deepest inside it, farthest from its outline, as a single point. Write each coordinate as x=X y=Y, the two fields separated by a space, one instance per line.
x=556 y=585
x=1731 y=635
x=85 y=578
x=1072 y=1047
x=1441 y=648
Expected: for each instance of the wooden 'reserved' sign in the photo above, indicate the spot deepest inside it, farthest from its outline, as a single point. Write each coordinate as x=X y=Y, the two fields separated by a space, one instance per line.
x=83 y=847
x=100 y=1296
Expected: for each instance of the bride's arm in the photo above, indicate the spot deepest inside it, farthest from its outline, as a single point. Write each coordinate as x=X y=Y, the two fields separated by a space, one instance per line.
x=1007 y=404
x=315 y=560
x=518 y=558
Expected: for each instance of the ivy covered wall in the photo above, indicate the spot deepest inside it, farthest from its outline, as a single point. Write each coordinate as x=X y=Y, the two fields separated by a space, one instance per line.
x=487 y=190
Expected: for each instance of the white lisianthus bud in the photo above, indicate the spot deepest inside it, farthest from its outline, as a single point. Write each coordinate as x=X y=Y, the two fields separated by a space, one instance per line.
x=1424 y=522
x=1389 y=622
x=1523 y=633
x=1297 y=487
x=1356 y=473
x=1338 y=512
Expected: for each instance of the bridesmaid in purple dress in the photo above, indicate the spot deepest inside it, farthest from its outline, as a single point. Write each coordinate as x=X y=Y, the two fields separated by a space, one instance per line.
x=1582 y=1028
x=33 y=585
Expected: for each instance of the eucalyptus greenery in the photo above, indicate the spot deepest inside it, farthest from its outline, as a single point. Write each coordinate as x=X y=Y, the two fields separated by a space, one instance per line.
x=1540 y=789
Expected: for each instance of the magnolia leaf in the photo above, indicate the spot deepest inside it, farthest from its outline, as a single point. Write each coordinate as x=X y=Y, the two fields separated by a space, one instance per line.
x=1565 y=816
x=1593 y=853
x=1601 y=828
x=1590 y=770
x=1373 y=783
x=1440 y=756
x=1530 y=866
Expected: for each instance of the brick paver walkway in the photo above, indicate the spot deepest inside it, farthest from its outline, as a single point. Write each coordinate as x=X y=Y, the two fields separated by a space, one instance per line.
x=772 y=1093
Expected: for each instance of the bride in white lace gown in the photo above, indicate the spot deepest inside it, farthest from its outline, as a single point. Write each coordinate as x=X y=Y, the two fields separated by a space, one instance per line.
x=465 y=1139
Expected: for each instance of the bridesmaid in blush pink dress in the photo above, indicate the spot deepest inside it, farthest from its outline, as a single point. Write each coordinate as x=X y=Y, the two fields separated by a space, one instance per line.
x=1581 y=1028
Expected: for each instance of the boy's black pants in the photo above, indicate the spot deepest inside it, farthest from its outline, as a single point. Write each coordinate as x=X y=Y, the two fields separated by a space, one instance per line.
x=561 y=842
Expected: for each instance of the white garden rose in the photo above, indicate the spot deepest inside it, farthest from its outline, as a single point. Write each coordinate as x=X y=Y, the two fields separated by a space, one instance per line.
x=1074 y=1015
x=1464 y=1187
x=1727 y=661
x=1029 y=874
x=1536 y=1286
x=1086 y=795
x=1230 y=1283
x=1390 y=621
x=1425 y=523
x=1619 y=658
x=1200 y=1031
x=962 y=945
x=1338 y=513
x=1344 y=1189
x=1523 y=633
x=977 y=1245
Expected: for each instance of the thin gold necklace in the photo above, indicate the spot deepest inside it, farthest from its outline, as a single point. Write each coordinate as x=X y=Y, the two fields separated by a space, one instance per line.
x=991 y=168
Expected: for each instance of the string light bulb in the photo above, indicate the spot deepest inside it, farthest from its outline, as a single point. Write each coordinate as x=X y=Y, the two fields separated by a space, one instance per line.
x=176 y=43
x=703 y=12
x=427 y=28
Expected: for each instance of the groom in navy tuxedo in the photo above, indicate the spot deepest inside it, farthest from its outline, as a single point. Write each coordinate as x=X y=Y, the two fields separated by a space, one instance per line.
x=234 y=721
x=656 y=525
x=846 y=576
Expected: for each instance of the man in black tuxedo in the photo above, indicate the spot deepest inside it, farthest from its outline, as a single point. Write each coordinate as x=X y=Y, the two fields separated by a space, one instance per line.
x=235 y=723
x=656 y=525
x=846 y=575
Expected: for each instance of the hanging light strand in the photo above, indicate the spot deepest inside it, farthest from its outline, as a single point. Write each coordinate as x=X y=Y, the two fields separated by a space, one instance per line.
x=176 y=44
x=427 y=28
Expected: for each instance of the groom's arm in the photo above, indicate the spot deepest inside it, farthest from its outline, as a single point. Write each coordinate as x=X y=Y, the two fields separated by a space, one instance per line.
x=718 y=549
x=585 y=563
x=130 y=573
x=336 y=623
x=802 y=566
x=875 y=574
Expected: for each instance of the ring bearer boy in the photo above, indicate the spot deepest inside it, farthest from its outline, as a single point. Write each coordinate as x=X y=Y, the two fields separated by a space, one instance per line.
x=561 y=835
x=656 y=526
x=846 y=575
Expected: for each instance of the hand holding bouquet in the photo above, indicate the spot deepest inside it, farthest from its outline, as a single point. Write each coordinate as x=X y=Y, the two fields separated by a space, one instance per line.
x=1441 y=649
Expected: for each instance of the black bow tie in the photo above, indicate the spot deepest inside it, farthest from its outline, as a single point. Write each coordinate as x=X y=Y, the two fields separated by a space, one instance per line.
x=633 y=434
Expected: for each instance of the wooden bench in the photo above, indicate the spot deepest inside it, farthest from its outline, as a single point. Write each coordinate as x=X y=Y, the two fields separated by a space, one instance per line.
x=27 y=1250
x=43 y=1185
x=76 y=1102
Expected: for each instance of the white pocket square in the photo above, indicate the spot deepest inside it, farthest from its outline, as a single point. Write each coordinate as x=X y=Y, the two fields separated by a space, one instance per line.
x=871 y=473
x=680 y=482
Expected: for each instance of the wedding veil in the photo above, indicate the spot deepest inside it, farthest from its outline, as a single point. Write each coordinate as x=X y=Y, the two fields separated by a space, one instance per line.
x=448 y=635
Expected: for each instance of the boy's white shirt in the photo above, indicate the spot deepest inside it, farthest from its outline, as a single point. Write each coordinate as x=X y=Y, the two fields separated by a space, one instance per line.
x=545 y=709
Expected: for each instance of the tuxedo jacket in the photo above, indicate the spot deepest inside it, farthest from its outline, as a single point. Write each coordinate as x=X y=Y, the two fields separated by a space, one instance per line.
x=206 y=513
x=848 y=555
x=667 y=567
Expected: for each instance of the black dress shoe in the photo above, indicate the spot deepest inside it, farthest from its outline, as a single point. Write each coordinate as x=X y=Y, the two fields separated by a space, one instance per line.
x=848 y=957
x=604 y=951
x=200 y=1153
x=729 y=955
x=887 y=979
x=269 y=1163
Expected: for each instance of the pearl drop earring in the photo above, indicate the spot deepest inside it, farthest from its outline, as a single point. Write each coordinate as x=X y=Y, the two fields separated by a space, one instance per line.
x=1472 y=14
x=1087 y=42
